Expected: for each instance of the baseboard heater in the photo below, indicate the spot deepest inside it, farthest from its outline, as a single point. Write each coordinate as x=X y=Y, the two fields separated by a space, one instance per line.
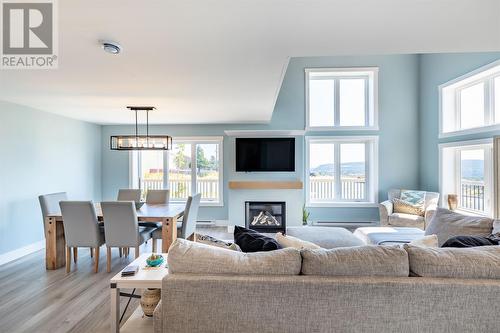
x=332 y=223
x=205 y=223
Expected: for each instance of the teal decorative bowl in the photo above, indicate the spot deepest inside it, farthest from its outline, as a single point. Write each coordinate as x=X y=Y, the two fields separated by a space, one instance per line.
x=156 y=262
x=138 y=205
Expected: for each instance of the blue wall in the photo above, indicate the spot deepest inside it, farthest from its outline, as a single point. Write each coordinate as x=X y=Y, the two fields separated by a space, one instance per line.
x=436 y=69
x=42 y=153
x=398 y=120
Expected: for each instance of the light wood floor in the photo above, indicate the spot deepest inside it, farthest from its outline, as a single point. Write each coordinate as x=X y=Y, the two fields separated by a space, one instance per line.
x=33 y=299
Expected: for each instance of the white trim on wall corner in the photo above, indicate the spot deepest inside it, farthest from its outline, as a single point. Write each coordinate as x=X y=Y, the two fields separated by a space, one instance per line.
x=21 y=252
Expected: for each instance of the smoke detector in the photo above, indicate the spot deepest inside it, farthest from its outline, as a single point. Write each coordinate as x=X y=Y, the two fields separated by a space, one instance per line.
x=111 y=47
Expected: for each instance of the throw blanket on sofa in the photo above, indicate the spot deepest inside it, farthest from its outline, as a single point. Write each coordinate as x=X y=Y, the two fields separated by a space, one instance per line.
x=472 y=241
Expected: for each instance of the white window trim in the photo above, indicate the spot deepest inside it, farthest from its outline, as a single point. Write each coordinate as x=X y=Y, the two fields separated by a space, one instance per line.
x=369 y=113
x=197 y=140
x=371 y=166
x=488 y=174
x=465 y=81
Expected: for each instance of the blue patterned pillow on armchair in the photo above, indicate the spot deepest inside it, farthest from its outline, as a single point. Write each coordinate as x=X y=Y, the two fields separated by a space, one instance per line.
x=415 y=198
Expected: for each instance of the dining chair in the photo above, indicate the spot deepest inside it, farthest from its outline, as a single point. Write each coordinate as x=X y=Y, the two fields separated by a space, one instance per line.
x=185 y=229
x=129 y=194
x=49 y=203
x=81 y=229
x=156 y=197
x=121 y=227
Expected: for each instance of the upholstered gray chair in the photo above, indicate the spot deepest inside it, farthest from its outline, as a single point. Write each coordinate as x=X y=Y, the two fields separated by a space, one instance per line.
x=81 y=229
x=155 y=197
x=122 y=228
x=49 y=203
x=389 y=218
x=129 y=194
x=185 y=229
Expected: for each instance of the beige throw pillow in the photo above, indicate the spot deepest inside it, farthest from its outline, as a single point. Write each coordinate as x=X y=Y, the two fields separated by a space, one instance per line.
x=446 y=224
x=290 y=241
x=401 y=206
x=426 y=241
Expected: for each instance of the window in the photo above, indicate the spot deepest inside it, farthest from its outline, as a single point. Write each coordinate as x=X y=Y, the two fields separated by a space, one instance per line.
x=147 y=170
x=466 y=170
x=341 y=171
x=341 y=98
x=471 y=103
x=194 y=165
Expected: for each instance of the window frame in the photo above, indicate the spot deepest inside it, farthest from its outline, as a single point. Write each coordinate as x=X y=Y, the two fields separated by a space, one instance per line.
x=371 y=171
x=369 y=74
x=455 y=148
x=449 y=101
x=193 y=141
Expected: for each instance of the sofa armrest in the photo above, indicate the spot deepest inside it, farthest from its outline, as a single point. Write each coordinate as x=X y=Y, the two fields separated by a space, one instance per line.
x=385 y=209
x=157 y=319
x=429 y=213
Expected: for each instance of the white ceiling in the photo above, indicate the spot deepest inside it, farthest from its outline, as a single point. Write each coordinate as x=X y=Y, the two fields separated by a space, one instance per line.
x=222 y=61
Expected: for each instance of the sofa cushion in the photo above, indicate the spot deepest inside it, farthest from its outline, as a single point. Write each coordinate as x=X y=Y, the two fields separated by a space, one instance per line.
x=325 y=237
x=356 y=261
x=467 y=263
x=290 y=241
x=253 y=241
x=190 y=257
x=446 y=224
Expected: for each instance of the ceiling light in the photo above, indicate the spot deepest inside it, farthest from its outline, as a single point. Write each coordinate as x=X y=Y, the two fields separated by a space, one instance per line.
x=111 y=47
x=141 y=142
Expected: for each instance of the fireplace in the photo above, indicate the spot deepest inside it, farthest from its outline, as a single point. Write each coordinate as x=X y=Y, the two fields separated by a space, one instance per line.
x=265 y=216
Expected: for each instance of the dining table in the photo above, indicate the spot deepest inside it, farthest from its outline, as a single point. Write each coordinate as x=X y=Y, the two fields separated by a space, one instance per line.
x=55 y=243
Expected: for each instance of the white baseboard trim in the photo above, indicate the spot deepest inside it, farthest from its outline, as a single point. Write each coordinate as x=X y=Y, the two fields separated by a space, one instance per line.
x=21 y=252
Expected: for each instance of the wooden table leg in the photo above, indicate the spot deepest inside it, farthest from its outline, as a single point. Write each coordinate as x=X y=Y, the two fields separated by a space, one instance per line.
x=115 y=308
x=168 y=233
x=55 y=244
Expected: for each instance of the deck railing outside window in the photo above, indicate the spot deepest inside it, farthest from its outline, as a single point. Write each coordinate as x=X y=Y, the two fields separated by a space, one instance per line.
x=323 y=188
x=209 y=188
x=472 y=195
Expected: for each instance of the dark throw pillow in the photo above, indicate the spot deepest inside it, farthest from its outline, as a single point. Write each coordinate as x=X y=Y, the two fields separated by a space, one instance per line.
x=469 y=241
x=252 y=241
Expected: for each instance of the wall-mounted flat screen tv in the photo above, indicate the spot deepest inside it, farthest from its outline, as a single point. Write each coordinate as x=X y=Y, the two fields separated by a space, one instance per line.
x=265 y=154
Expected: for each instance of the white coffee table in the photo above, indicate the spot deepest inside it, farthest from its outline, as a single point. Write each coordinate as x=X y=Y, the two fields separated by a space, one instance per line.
x=144 y=278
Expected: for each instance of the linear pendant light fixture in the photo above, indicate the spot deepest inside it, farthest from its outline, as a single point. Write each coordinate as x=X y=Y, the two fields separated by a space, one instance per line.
x=141 y=142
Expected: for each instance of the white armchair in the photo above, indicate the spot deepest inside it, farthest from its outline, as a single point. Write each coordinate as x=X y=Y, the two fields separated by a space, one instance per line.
x=389 y=218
